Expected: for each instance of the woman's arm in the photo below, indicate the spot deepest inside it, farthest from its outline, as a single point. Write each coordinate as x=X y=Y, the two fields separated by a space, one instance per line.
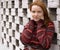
x=27 y=33
x=45 y=37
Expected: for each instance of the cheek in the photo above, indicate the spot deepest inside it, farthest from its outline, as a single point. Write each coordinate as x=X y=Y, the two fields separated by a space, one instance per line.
x=32 y=13
x=33 y=16
x=41 y=14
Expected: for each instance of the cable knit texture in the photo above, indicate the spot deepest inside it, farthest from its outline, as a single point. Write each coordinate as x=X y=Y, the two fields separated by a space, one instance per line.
x=37 y=35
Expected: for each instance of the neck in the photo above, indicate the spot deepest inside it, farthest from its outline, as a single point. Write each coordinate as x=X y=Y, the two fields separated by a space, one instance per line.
x=39 y=21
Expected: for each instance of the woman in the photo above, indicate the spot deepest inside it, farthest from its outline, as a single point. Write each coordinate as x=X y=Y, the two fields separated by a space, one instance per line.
x=38 y=32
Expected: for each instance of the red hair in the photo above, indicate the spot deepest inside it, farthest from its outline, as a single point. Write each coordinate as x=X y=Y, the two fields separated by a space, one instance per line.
x=42 y=5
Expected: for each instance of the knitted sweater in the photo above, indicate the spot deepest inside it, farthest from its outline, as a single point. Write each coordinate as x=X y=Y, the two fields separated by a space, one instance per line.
x=37 y=35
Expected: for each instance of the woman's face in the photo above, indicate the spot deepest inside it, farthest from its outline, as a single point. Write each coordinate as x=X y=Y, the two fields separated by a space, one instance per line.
x=37 y=13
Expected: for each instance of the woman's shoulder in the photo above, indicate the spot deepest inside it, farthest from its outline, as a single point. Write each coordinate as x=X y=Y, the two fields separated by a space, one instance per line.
x=31 y=22
x=50 y=24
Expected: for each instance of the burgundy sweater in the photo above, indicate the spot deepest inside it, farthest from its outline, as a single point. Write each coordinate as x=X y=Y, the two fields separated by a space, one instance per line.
x=36 y=34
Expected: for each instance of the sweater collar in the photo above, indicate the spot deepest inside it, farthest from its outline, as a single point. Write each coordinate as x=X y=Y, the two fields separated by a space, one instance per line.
x=40 y=21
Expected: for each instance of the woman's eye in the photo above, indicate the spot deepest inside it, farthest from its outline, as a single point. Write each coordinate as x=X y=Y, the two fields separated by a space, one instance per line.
x=33 y=11
x=37 y=11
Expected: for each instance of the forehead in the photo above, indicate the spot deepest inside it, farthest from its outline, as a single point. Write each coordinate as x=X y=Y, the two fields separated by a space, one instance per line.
x=36 y=7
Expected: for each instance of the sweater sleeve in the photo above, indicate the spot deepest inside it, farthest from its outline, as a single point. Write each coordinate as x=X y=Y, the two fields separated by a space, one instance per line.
x=27 y=33
x=49 y=34
x=44 y=35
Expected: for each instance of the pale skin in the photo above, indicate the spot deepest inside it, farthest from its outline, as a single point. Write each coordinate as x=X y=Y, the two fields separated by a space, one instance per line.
x=37 y=13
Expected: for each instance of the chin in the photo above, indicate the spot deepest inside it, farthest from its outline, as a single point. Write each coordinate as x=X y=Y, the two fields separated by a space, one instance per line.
x=36 y=20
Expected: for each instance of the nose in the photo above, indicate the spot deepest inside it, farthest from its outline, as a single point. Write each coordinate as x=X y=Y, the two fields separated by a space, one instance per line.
x=36 y=14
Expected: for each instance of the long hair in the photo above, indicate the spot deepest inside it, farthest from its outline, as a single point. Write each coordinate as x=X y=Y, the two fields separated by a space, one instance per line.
x=42 y=5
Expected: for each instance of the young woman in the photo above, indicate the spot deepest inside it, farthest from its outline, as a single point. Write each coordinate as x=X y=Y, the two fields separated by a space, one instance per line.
x=38 y=32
